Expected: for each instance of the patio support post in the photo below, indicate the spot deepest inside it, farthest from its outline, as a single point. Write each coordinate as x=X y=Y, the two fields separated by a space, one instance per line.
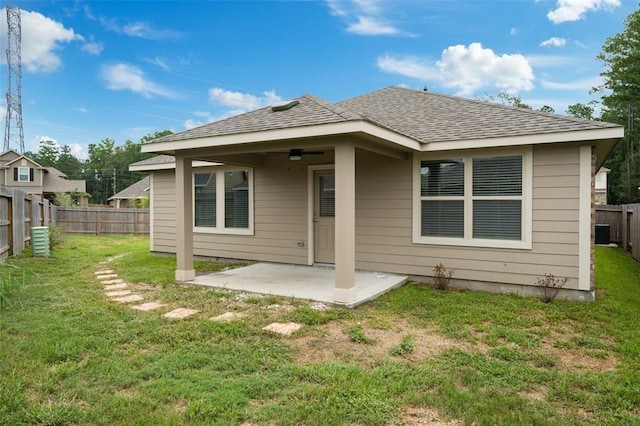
x=184 y=220
x=345 y=223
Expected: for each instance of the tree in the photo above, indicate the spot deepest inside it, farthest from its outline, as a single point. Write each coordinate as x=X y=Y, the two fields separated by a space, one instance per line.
x=514 y=101
x=620 y=98
x=581 y=110
x=47 y=155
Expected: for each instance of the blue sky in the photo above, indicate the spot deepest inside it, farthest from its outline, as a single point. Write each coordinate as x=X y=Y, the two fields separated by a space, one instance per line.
x=123 y=69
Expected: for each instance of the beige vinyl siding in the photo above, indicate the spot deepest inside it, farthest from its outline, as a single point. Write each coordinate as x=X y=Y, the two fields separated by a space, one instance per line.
x=384 y=222
x=383 y=226
x=164 y=211
x=280 y=218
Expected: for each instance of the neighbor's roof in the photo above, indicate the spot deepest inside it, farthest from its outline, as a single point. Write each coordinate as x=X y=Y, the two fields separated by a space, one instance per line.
x=422 y=116
x=137 y=190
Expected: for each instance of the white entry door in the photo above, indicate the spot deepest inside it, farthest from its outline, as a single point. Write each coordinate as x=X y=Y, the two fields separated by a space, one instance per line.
x=324 y=227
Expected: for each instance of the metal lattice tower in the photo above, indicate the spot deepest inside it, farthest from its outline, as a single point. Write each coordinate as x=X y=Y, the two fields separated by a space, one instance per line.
x=13 y=130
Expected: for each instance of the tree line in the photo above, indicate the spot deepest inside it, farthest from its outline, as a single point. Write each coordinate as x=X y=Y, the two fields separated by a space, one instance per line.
x=106 y=170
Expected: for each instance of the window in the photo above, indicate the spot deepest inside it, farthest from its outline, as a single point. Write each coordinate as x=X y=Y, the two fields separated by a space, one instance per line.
x=23 y=174
x=479 y=200
x=223 y=201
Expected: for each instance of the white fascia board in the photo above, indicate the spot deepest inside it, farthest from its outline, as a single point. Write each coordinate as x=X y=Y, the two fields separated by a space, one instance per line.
x=168 y=166
x=284 y=134
x=540 y=138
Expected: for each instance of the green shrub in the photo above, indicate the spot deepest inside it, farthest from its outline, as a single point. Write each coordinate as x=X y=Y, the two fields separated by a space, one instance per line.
x=57 y=236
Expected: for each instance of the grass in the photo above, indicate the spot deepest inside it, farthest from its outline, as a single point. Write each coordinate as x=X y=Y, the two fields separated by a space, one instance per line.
x=68 y=355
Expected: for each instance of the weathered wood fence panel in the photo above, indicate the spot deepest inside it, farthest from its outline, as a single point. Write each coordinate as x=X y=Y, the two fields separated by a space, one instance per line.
x=624 y=223
x=19 y=212
x=612 y=216
x=103 y=220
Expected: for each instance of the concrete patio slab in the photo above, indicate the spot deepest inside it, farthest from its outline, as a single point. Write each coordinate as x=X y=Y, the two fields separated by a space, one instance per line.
x=301 y=282
x=229 y=316
x=149 y=306
x=129 y=299
x=112 y=287
x=286 y=329
x=181 y=313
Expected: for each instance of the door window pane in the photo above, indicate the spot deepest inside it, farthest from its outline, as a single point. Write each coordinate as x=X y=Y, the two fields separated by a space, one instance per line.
x=327 y=195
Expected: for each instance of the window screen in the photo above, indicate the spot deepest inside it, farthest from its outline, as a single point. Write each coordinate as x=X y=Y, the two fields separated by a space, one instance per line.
x=236 y=208
x=205 y=199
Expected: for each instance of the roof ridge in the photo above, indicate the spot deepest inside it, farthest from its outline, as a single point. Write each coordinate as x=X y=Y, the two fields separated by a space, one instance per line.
x=336 y=109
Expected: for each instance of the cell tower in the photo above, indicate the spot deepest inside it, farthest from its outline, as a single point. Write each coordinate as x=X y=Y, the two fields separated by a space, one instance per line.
x=13 y=131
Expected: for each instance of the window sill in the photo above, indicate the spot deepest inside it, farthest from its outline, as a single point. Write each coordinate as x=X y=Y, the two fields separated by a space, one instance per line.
x=460 y=242
x=223 y=231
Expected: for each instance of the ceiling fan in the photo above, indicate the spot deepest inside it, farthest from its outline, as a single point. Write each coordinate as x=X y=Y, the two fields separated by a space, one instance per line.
x=296 y=154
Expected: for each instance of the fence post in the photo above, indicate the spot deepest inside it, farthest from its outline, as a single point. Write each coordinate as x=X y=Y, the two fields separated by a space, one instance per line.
x=17 y=217
x=98 y=217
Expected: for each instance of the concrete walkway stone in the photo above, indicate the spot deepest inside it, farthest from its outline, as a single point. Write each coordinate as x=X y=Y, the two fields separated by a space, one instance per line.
x=284 y=329
x=181 y=313
x=229 y=316
x=118 y=293
x=109 y=282
x=129 y=299
x=112 y=287
x=106 y=276
x=149 y=306
x=103 y=272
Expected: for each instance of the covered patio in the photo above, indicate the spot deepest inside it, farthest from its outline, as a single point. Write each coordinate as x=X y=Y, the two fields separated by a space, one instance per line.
x=301 y=282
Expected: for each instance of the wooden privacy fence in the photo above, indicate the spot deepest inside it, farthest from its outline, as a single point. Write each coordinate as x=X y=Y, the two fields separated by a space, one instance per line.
x=624 y=224
x=103 y=220
x=19 y=212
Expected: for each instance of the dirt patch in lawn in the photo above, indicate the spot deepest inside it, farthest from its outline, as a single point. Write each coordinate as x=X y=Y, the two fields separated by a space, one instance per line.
x=420 y=416
x=331 y=342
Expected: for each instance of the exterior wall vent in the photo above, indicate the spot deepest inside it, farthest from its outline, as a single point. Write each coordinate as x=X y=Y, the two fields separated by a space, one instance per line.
x=283 y=106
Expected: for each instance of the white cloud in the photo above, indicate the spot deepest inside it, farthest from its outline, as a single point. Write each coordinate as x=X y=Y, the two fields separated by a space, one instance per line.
x=364 y=17
x=128 y=77
x=514 y=31
x=41 y=37
x=204 y=118
x=555 y=42
x=93 y=48
x=241 y=102
x=585 y=84
x=138 y=29
x=466 y=69
x=574 y=10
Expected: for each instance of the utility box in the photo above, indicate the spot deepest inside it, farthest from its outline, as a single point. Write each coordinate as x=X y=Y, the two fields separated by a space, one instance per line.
x=603 y=234
x=40 y=240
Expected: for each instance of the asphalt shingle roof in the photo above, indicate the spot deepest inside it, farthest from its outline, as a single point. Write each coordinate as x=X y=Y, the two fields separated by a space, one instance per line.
x=423 y=116
x=137 y=190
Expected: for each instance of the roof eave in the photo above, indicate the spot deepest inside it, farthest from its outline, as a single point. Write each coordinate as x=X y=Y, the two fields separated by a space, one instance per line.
x=329 y=129
x=608 y=133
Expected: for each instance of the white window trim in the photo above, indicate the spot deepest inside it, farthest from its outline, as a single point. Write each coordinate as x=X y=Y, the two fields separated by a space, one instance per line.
x=220 y=206
x=527 y=199
x=20 y=170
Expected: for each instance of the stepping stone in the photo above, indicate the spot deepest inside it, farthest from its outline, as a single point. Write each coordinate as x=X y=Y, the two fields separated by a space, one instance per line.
x=118 y=293
x=228 y=316
x=181 y=313
x=118 y=281
x=283 y=329
x=104 y=272
x=149 y=306
x=129 y=299
x=112 y=287
x=106 y=276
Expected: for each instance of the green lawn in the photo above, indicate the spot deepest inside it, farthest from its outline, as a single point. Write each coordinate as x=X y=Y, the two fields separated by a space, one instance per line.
x=69 y=355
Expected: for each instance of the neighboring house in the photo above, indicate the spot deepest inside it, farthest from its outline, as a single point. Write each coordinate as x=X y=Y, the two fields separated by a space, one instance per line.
x=396 y=180
x=601 y=185
x=132 y=196
x=20 y=172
